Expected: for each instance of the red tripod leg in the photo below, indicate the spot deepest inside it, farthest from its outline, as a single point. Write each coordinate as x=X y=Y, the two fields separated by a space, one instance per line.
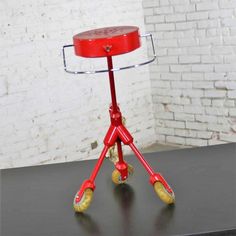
x=121 y=165
x=84 y=196
x=154 y=177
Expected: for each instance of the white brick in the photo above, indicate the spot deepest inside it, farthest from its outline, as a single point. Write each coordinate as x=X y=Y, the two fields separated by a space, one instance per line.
x=215 y=142
x=158 y=108
x=231 y=76
x=161 y=84
x=168 y=92
x=165 y=27
x=196 y=101
x=229 y=103
x=227 y=3
x=225 y=68
x=154 y=19
x=193 y=109
x=221 y=13
x=229 y=40
x=215 y=76
x=170 y=76
x=214 y=93
x=218 y=111
x=160 y=68
x=218 y=103
x=199 y=50
x=148 y=11
x=163 y=10
x=193 y=93
x=219 y=127
x=174 y=139
x=206 y=118
x=225 y=85
x=206 y=24
x=203 y=6
x=211 y=59
x=197 y=16
x=162 y=99
x=186 y=42
x=231 y=94
x=150 y=3
x=167 y=43
x=193 y=76
x=164 y=115
x=203 y=84
x=186 y=133
x=180 y=68
x=174 y=124
x=186 y=25
x=229 y=59
x=196 y=125
x=189 y=59
x=200 y=33
x=184 y=117
x=232 y=111
x=150 y=28
x=204 y=134
x=228 y=22
x=166 y=131
x=160 y=52
x=173 y=34
x=210 y=41
x=196 y=142
x=228 y=137
x=206 y=102
x=3 y=85
x=177 y=51
x=179 y=2
x=181 y=100
x=164 y=2
x=221 y=50
x=181 y=84
x=202 y=68
x=175 y=108
x=168 y=60
x=175 y=17
x=161 y=138
x=184 y=8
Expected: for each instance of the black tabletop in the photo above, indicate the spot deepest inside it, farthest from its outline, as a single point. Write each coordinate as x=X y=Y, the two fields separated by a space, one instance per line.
x=37 y=201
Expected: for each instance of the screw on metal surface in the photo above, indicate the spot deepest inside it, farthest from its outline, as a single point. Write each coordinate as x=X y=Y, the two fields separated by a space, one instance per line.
x=107 y=48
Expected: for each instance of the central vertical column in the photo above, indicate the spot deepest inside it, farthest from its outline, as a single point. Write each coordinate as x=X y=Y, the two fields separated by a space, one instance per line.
x=112 y=83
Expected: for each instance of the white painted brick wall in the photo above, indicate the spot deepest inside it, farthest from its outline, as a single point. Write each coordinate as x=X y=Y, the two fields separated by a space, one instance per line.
x=47 y=115
x=195 y=74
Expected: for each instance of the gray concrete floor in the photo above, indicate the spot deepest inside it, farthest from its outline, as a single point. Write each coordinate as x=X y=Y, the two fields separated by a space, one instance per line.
x=158 y=147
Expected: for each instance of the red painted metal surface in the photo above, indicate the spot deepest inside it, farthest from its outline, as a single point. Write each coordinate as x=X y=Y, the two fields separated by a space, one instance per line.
x=109 y=41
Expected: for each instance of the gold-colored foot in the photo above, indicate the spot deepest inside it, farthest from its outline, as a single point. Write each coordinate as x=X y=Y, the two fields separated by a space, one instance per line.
x=116 y=176
x=164 y=195
x=85 y=201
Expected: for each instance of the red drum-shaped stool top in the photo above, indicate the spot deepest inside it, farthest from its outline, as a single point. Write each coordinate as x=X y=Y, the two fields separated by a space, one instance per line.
x=109 y=41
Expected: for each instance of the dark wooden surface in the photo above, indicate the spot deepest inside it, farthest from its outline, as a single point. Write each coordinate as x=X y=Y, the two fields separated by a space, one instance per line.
x=37 y=201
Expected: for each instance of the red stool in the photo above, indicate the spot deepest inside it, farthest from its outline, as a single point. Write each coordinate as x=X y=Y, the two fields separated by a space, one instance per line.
x=108 y=42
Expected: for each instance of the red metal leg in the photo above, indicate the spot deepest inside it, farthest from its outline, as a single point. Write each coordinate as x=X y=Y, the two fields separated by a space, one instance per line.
x=121 y=165
x=154 y=177
x=99 y=163
x=89 y=183
x=141 y=159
